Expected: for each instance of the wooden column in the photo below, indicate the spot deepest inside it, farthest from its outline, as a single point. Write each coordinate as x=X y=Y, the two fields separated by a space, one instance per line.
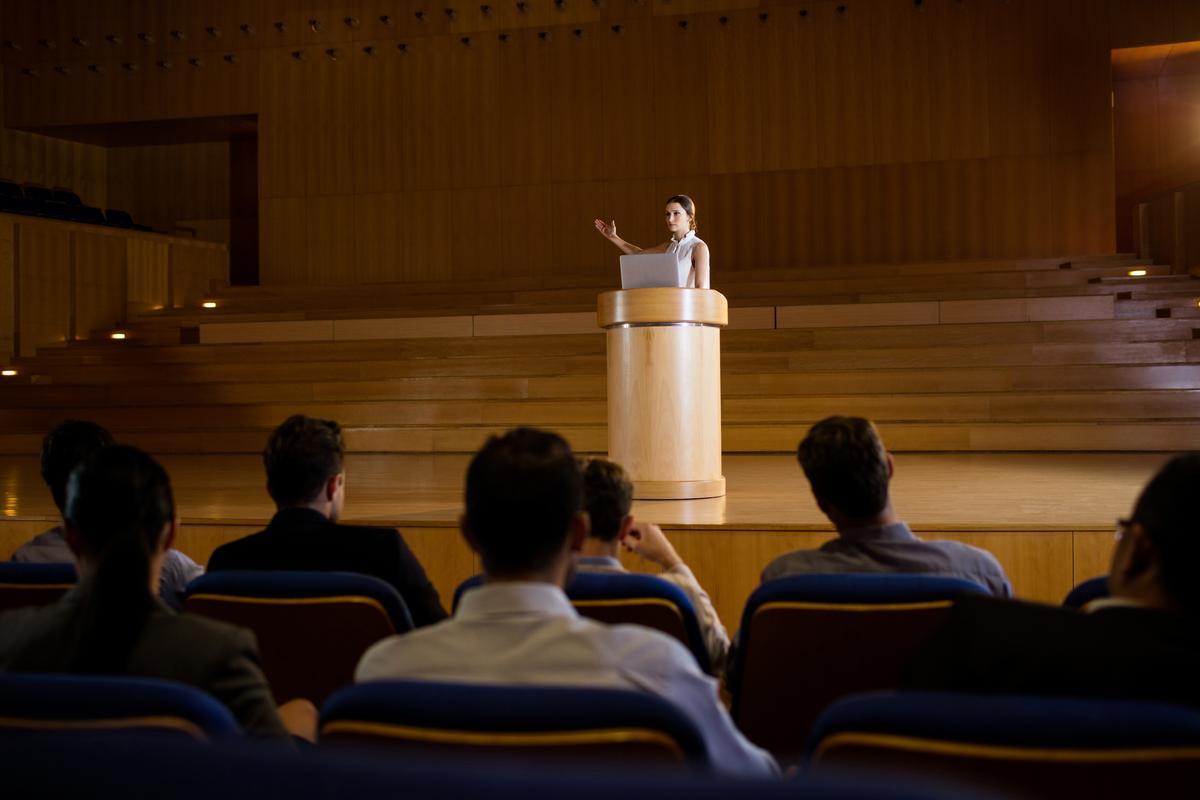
x=664 y=389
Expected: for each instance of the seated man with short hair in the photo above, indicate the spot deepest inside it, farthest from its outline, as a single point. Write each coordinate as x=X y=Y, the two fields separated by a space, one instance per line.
x=68 y=445
x=525 y=518
x=608 y=496
x=1140 y=643
x=307 y=481
x=849 y=472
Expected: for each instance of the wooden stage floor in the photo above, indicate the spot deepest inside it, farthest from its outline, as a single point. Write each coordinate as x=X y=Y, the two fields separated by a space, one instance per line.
x=1048 y=518
x=958 y=491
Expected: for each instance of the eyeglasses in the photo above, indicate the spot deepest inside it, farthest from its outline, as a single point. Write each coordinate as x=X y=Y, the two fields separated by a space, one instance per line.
x=1122 y=526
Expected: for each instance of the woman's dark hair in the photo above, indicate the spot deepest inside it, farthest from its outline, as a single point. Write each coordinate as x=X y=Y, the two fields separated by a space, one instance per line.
x=689 y=207
x=118 y=502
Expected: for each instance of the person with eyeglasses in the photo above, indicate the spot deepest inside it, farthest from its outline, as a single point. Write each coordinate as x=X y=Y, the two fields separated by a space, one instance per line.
x=1140 y=642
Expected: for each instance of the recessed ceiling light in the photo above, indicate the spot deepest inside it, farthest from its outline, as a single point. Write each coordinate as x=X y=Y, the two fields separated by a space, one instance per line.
x=8 y=373
x=209 y=304
x=1137 y=273
x=118 y=335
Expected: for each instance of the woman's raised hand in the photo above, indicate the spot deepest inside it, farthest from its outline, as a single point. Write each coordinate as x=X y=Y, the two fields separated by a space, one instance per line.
x=607 y=229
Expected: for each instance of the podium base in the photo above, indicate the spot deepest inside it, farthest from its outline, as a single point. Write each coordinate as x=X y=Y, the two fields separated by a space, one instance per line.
x=678 y=490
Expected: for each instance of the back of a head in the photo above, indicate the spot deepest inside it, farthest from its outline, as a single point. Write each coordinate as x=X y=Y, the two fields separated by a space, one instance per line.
x=523 y=489
x=64 y=448
x=301 y=455
x=1166 y=508
x=846 y=465
x=119 y=502
x=608 y=496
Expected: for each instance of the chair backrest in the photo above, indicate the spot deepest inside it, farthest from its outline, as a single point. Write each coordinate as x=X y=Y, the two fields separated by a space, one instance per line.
x=66 y=196
x=118 y=218
x=1032 y=746
x=35 y=705
x=24 y=583
x=534 y=722
x=808 y=640
x=38 y=193
x=312 y=627
x=631 y=598
x=1086 y=592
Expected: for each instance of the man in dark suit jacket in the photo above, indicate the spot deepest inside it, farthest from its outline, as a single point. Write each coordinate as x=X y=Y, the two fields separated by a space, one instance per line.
x=1142 y=642
x=306 y=479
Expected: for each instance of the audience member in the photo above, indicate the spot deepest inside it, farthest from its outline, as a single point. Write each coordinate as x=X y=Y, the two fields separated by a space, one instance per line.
x=307 y=481
x=1142 y=642
x=119 y=521
x=608 y=495
x=524 y=516
x=68 y=445
x=849 y=471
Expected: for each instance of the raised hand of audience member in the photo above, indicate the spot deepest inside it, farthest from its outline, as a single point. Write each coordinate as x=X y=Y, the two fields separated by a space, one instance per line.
x=647 y=540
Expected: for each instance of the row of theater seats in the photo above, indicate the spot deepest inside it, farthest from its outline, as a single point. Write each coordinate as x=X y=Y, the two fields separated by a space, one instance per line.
x=967 y=745
x=38 y=201
x=864 y=628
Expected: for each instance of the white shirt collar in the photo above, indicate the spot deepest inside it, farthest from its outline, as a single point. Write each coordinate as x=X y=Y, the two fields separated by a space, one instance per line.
x=514 y=598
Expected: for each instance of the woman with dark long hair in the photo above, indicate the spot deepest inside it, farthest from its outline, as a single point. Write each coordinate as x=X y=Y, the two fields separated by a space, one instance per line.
x=119 y=521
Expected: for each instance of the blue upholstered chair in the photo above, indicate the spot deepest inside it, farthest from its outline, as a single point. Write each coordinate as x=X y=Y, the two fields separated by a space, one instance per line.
x=1086 y=592
x=312 y=627
x=530 y=722
x=631 y=598
x=187 y=772
x=808 y=640
x=34 y=706
x=1048 y=747
x=28 y=584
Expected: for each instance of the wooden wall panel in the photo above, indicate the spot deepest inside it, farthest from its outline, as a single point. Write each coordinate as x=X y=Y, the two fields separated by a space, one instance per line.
x=147 y=263
x=163 y=184
x=44 y=286
x=1082 y=199
x=959 y=218
x=1134 y=23
x=100 y=282
x=631 y=125
x=847 y=102
x=8 y=292
x=1019 y=65
x=379 y=231
x=1019 y=206
x=473 y=100
x=379 y=115
x=475 y=230
x=428 y=230
x=328 y=236
x=736 y=112
x=193 y=271
x=788 y=79
x=900 y=78
x=427 y=140
x=1078 y=78
x=527 y=217
x=575 y=245
x=525 y=93
x=680 y=107
x=576 y=146
x=282 y=255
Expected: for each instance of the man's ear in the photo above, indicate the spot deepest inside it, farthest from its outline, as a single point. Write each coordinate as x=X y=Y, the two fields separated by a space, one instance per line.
x=1141 y=556
x=581 y=526
x=170 y=530
x=333 y=484
x=464 y=527
x=891 y=465
x=74 y=542
x=626 y=524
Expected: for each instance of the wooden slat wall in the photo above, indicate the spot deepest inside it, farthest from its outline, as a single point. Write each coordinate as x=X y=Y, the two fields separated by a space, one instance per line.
x=166 y=184
x=62 y=280
x=823 y=132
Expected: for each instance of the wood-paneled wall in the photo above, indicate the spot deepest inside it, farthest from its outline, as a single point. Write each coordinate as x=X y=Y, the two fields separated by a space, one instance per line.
x=61 y=280
x=47 y=161
x=1156 y=116
x=165 y=185
x=400 y=142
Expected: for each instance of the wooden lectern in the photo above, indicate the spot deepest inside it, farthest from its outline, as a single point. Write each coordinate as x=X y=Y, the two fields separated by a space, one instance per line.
x=664 y=389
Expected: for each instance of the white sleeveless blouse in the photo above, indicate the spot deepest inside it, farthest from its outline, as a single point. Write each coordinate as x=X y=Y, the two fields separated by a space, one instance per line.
x=683 y=251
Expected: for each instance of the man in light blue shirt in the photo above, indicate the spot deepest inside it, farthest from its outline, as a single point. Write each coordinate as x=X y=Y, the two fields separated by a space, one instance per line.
x=525 y=518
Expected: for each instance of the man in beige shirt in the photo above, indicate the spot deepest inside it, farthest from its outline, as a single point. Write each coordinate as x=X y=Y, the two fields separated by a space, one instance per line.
x=608 y=494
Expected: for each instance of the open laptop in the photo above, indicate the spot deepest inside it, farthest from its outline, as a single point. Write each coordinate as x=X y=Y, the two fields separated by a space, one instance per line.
x=656 y=269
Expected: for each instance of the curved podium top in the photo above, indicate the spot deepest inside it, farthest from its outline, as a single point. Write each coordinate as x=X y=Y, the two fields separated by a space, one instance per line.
x=662 y=307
